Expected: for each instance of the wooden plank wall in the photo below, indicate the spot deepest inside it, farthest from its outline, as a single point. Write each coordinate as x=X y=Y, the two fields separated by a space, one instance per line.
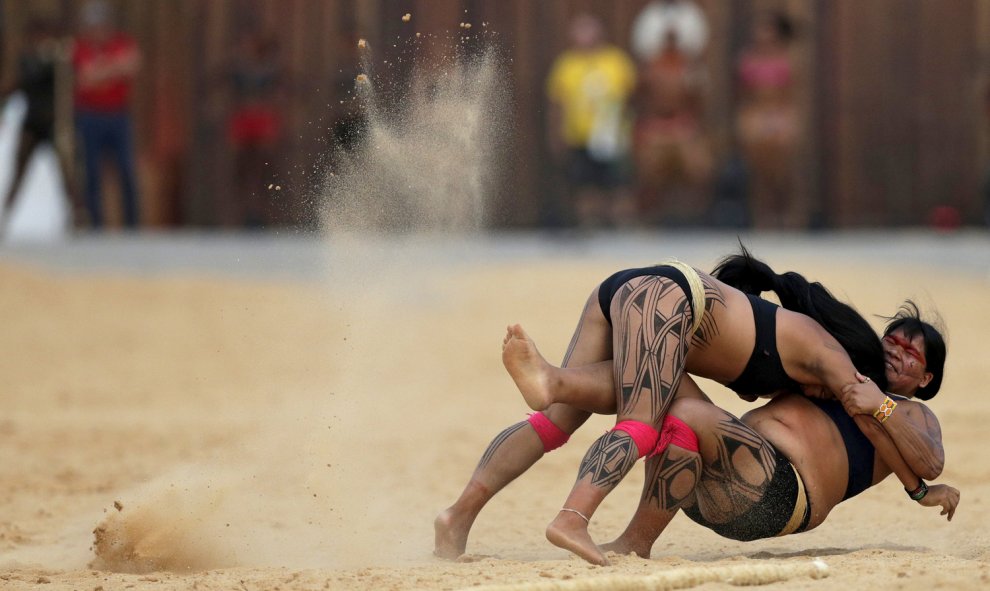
x=893 y=94
x=907 y=129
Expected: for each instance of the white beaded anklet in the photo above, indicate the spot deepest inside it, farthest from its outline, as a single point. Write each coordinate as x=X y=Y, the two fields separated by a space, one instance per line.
x=579 y=514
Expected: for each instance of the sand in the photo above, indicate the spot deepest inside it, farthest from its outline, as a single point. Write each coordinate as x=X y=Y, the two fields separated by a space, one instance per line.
x=302 y=435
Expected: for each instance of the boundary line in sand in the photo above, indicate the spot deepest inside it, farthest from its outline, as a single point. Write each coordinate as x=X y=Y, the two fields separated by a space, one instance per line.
x=678 y=578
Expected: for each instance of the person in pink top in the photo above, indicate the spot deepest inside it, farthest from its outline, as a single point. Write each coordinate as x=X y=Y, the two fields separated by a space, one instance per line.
x=105 y=61
x=670 y=148
x=767 y=122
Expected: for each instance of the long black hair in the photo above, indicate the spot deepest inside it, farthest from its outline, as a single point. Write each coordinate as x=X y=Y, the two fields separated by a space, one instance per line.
x=854 y=333
x=908 y=320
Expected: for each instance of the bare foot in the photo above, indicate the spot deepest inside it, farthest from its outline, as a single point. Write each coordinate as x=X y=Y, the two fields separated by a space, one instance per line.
x=450 y=537
x=529 y=370
x=623 y=547
x=570 y=532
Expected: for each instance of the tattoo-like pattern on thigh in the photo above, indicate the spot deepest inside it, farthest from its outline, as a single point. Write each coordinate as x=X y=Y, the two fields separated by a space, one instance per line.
x=739 y=473
x=497 y=443
x=661 y=473
x=650 y=344
x=708 y=329
x=609 y=459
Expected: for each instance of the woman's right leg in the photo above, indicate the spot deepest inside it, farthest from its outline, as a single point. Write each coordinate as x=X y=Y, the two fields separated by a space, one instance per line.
x=652 y=328
x=517 y=448
x=671 y=476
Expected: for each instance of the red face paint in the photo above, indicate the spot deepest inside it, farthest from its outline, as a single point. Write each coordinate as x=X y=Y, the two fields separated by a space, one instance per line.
x=899 y=341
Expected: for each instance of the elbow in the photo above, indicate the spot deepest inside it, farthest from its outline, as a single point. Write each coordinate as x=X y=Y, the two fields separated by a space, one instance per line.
x=928 y=464
x=933 y=459
x=934 y=469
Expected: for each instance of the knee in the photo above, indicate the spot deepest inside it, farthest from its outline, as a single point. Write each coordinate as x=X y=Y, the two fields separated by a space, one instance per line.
x=692 y=411
x=550 y=434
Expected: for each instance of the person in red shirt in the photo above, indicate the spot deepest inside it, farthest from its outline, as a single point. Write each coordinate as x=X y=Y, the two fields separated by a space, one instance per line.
x=257 y=81
x=105 y=62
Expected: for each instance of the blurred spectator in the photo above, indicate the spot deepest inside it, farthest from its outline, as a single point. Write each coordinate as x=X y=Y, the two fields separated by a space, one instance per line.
x=659 y=18
x=768 y=124
x=37 y=65
x=588 y=87
x=672 y=157
x=256 y=80
x=106 y=61
x=986 y=181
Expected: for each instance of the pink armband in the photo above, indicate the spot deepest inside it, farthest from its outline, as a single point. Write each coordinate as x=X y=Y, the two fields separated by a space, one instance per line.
x=551 y=435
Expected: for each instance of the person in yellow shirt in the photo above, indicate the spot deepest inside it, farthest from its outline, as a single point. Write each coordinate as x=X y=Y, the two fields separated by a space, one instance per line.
x=588 y=89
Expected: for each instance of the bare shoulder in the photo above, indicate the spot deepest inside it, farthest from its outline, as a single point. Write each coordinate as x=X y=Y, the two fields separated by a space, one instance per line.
x=919 y=414
x=797 y=320
x=795 y=330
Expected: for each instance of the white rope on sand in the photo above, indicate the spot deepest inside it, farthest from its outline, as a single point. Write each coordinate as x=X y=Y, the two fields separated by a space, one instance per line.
x=679 y=578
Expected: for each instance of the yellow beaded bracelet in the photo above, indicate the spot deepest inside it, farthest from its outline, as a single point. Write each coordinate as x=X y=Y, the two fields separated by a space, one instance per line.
x=886 y=409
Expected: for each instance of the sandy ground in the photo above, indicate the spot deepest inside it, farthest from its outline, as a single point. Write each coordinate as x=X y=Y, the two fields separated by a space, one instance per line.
x=302 y=434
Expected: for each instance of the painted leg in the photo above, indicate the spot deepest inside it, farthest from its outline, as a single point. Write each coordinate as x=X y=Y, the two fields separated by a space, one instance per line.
x=652 y=321
x=670 y=482
x=517 y=448
x=608 y=460
x=512 y=452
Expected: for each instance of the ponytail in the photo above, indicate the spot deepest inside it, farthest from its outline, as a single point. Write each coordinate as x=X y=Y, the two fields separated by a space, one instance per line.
x=854 y=333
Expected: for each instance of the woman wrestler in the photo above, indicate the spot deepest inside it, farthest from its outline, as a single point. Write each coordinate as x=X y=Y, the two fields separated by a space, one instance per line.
x=786 y=465
x=779 y=470
x=723 y=348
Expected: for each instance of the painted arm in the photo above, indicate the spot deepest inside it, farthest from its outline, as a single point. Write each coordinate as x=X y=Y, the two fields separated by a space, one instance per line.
x=939 y=495
x=887 y=451
x=912 y=427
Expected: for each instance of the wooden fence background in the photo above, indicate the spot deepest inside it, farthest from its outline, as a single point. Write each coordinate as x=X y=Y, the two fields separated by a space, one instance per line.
x=894 y=91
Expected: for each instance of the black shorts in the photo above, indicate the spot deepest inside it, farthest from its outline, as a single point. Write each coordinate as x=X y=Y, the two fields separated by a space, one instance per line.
x=764 y=372
x=769 y=516
x=40 y=123
x=609 y=287
x=585 y=171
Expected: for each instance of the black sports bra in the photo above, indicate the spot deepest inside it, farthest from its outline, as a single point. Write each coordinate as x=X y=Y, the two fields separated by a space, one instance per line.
x=764 y=373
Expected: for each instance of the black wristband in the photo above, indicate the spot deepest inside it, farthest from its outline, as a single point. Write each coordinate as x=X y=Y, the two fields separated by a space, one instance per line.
x=918 y=493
